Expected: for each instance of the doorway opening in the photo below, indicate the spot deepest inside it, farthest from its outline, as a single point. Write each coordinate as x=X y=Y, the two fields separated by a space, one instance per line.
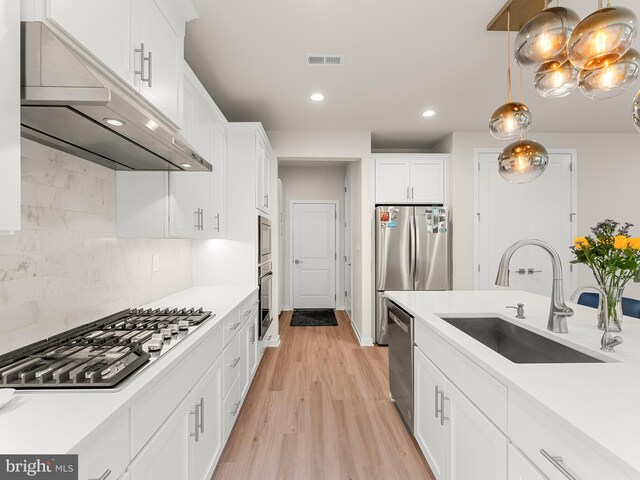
x=316 y=212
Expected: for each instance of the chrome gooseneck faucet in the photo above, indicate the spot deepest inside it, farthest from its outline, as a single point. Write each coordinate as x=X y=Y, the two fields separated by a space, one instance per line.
x=608 y=341
x=559 y=311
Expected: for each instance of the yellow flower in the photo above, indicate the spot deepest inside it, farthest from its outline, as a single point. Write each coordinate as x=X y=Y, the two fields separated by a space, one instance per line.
x=580 y=242
x=634 y=243
x=620 y=242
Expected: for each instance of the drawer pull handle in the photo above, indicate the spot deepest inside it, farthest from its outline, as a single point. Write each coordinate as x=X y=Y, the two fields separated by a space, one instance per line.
x=103 y=476
x=235 y=410
x=234 y=326
x=246 y=312
x=235 y=363
x=557 y=462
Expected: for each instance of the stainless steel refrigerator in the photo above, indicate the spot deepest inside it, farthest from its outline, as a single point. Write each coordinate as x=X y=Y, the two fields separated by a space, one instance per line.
x=412 y=253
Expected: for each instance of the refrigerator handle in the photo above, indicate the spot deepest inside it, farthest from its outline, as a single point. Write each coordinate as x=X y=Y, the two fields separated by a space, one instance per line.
x=412 y=247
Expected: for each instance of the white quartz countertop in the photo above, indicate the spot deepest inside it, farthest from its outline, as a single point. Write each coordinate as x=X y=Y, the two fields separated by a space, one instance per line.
x=58 y=421
x=599 y=401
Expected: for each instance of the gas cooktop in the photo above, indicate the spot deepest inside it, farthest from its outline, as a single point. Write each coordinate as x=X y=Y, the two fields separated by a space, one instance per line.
x=100 y=354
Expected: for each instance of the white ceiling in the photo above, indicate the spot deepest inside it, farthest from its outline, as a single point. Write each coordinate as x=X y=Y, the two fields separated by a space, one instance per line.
x=402 y=57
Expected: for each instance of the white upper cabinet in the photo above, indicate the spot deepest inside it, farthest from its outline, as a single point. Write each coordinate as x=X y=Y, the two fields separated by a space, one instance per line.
x=103 y=28
x=181 y=204
x=158 y=58
x=142 y=41
x=263 y=184
x=411 y=179
x=10 y=118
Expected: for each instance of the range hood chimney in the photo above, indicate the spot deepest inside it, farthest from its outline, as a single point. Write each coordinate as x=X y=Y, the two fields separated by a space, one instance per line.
x=73 y=103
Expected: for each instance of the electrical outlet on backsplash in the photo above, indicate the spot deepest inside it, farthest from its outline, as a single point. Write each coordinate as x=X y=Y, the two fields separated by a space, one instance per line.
x=66 y=266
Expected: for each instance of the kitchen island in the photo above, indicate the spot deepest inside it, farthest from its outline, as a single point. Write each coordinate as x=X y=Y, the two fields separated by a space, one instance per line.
x=585 y=413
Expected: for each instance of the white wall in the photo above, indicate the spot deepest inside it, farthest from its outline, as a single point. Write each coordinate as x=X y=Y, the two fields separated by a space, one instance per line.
x=66 y=267
x=312 y=183
x=608 y=169
x=344 y=145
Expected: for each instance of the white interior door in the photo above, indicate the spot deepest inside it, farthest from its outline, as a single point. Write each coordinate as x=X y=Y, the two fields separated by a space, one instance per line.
x=314 y=255
x=347 y=244
x=542 y=209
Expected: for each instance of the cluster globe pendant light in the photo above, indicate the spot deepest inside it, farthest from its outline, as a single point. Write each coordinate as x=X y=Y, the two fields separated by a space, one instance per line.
x=594 y=54
x=511 y=120
x=523 y=160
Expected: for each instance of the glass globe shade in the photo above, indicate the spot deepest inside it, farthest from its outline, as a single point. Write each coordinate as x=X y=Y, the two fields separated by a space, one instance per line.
x=510 y=121
x=603 y=37
x=523 y=161
x=541 y=43
x=559 y=82
x=611 y=80
x=636 y=111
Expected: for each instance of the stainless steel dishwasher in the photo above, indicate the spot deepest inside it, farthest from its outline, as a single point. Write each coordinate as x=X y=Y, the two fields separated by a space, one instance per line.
x=400 y=337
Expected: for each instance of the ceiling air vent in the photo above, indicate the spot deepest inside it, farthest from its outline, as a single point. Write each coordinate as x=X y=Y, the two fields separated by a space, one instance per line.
x=316 y=60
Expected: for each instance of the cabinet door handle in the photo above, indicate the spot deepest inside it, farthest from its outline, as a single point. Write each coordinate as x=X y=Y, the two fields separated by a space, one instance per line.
x=266 y=200
x=235 y=362
x=217 y=217
x=150 y=75
x=142 y=60
x=103 y=476
x=196 y=225
x=201 y=414
x=557 y=462
x=442 y=399
x=437 y=398
x=234 y=326
x=196 y=414
x=235 y=410
x=411 y=193
x=202 y=219
x=253 y=334
x=408 y=196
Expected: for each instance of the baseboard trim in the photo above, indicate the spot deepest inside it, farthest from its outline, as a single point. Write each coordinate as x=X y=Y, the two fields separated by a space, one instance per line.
x=363 y=341
x=274 y=342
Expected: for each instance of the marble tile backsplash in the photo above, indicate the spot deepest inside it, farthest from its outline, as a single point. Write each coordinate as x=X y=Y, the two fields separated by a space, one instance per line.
x=66 y=267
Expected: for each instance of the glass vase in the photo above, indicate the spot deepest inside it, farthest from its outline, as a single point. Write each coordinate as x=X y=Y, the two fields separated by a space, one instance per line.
x=614 y=306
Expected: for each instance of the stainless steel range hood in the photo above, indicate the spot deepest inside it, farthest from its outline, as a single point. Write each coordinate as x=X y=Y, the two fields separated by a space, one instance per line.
x=68 y=98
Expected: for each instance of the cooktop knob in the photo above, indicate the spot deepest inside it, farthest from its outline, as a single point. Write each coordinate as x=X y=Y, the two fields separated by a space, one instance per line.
x=154 y=345
x=183 y=325
x=174 y=328
x=166 y=333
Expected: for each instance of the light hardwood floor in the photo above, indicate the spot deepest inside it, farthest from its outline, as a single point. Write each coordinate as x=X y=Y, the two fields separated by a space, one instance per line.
x=318 y=408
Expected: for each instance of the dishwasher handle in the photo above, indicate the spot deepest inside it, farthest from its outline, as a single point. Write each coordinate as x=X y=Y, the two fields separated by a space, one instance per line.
x=404 y=328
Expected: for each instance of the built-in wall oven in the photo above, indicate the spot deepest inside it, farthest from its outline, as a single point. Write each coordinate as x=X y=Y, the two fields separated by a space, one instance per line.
x=264 y=240
x=265 y=275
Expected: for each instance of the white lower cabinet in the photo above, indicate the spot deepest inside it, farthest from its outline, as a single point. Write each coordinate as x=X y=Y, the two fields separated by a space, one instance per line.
x=475 y=447
x=520 y=468
x=166 y=455
x=206 y=447
x=457 y=439
x=429 y=426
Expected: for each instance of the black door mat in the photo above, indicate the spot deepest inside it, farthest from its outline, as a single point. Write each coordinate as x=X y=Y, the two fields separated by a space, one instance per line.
x=314 y=318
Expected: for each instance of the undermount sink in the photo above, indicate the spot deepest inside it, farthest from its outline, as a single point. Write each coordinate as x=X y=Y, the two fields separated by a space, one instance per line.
x=516 y=343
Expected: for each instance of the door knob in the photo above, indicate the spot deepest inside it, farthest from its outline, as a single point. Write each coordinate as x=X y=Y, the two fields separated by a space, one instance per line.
x=297 y=261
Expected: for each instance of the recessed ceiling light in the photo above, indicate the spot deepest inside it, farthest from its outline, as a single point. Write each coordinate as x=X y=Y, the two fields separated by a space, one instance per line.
x=428 y=113
x=186 y=165
x=317 y=97
x=114 y=122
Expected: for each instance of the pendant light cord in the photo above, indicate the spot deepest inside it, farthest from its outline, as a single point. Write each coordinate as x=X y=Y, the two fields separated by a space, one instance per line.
x=509 y=55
